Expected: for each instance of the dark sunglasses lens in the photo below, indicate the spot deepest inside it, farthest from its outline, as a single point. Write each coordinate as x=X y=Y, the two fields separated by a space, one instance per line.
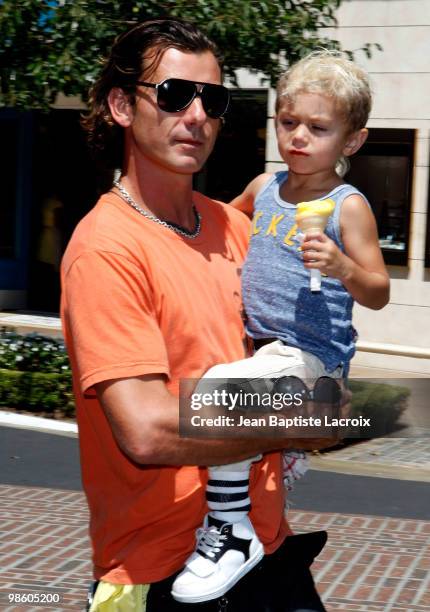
x=290 y=385
x=327 y=391
x=174 y=95
x=215 y=100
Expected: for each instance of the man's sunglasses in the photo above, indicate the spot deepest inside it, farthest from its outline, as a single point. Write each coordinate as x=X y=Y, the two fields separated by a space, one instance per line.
x=175 y=95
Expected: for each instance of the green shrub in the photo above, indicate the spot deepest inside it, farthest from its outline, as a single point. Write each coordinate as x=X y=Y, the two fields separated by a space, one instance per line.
x=34 y=373
x=36 y=391
x=382 y=403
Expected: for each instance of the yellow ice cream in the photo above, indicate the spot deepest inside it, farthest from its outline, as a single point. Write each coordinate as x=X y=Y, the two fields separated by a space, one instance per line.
x=314 y=214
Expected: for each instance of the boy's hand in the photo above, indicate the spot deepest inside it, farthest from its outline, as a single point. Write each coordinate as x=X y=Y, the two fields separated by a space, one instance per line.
x=321 y=253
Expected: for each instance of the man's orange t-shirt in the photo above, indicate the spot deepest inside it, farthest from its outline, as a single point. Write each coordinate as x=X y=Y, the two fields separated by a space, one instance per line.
x=140 y=299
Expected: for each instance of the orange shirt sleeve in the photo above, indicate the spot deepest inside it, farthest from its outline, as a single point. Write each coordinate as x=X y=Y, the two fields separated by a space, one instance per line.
x=110 y=313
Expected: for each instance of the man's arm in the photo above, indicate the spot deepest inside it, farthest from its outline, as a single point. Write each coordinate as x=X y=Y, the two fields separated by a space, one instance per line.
x=245 y=201
x=361 y=268
x=144 y=417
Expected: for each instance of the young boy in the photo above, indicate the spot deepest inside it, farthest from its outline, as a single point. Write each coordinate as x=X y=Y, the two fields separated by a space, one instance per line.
x=322 y=107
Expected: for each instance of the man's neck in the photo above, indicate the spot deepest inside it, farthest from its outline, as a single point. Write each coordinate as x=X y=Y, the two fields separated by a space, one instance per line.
x=165 y=194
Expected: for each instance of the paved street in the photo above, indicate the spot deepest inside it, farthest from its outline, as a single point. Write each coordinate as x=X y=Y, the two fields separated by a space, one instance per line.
x=377 y=558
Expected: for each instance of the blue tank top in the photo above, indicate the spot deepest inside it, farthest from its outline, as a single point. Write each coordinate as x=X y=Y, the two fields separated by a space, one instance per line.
x=275 y=284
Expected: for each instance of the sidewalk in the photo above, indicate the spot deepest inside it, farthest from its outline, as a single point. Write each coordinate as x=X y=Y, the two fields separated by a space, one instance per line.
x=399 y=458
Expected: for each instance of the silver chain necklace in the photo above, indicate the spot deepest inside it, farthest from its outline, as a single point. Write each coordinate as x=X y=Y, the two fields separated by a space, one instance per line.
x=172 y=226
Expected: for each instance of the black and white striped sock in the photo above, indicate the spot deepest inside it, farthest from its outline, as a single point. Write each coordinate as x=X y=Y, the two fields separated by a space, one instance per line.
x=227 y=491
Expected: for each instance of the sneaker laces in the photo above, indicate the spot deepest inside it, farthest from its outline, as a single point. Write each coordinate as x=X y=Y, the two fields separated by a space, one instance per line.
x=209 y=540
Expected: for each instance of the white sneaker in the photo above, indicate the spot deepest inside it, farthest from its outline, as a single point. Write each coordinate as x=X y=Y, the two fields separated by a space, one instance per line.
x=224 y=553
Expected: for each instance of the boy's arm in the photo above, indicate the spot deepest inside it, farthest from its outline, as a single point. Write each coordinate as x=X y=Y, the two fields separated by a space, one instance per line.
x=245 y=201
x=361 y=268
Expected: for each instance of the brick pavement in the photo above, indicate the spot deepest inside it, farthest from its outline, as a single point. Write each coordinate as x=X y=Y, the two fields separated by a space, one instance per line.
x=44 y=546
x=369 y=564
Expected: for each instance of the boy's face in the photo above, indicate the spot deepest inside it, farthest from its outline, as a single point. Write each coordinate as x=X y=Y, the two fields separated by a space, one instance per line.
x=312 y=135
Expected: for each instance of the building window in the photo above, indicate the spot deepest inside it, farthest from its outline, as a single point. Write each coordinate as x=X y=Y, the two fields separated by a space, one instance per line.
x=382 y=170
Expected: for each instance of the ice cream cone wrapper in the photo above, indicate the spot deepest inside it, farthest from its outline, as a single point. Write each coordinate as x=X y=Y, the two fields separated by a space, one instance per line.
x=312 y=223
x=315 y=282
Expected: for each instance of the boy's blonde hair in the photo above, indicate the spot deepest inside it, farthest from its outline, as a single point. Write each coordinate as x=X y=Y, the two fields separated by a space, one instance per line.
x=330 y=73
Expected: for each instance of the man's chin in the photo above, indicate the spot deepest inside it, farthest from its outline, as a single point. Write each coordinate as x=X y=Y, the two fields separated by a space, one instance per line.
x=190 y=166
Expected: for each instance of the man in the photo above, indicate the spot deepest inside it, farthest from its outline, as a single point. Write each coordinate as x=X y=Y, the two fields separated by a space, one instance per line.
x=151 y=295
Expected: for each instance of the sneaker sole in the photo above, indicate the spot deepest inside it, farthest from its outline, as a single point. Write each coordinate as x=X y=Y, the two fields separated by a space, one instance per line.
x=222 y=590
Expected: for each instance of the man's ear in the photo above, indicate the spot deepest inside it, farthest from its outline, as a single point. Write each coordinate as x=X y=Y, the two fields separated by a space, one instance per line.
x=355 y=141
x=120 y=107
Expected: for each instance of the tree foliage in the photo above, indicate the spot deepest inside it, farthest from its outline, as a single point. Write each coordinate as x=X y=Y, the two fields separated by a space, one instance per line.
x=52 y=46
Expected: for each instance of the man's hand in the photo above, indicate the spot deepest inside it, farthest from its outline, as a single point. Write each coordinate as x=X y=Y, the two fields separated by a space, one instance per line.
x=321 y=410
